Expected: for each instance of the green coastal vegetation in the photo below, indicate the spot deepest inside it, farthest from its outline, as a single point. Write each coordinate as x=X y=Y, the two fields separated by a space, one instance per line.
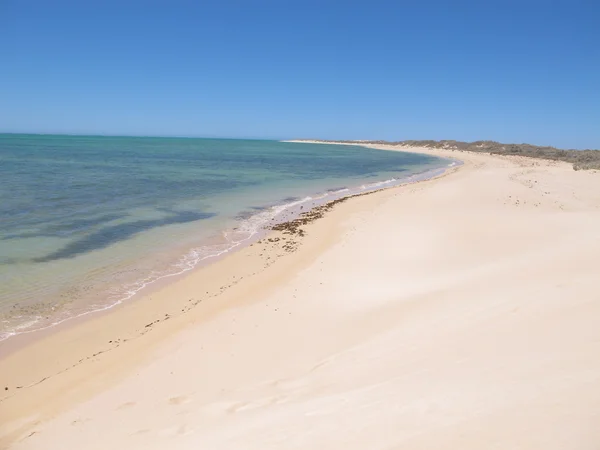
x=581 y=159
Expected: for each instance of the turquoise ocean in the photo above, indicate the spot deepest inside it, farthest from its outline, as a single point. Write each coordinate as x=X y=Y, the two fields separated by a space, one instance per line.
x=87 y=222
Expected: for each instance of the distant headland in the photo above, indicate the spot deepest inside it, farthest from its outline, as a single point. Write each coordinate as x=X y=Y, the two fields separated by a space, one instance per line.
x=581 y=159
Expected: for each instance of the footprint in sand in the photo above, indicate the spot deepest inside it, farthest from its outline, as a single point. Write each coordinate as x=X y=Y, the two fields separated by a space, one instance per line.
x=177 y=430
x=125 y=406
x=179 y=400
x=239 y=407
x=79 y=422
x=140 y=432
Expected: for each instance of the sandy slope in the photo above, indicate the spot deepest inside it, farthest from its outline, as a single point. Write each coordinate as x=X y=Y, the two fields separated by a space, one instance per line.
x=459 y=313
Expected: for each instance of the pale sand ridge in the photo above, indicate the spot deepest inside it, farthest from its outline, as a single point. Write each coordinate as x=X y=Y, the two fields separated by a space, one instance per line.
x=457 y=313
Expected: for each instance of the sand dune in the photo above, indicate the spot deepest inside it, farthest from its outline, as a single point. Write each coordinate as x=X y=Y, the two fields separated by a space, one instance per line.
x=457 y=313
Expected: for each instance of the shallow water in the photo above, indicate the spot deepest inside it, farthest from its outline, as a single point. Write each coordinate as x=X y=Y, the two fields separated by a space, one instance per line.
x=86 y=222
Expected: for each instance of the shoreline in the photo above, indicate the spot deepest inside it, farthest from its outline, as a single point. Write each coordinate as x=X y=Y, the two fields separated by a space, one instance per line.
x=91 y=327
x=467 y=265
x=274 y=214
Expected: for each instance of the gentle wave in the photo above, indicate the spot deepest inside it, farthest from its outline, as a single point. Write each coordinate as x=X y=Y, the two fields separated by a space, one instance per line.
x=244 y=233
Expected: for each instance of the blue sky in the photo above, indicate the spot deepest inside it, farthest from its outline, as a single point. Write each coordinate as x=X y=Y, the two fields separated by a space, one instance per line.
x=522 y=71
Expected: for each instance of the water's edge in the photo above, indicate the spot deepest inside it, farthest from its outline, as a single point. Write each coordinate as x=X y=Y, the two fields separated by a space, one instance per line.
x=249 y=230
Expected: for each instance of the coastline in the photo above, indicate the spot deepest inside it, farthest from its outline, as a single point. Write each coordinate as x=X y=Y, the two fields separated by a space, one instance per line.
x=62 y=347
x=233 y=298
x=242 y=230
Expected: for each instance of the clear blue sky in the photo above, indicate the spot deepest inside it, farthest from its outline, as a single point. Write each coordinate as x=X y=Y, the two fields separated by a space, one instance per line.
x=514 y=71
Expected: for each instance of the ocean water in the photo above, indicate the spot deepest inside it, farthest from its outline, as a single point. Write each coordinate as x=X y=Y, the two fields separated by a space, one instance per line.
x=87 y=222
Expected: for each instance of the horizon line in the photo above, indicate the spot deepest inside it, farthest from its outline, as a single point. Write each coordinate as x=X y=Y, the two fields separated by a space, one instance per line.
x=137 y=136
x=366 y=141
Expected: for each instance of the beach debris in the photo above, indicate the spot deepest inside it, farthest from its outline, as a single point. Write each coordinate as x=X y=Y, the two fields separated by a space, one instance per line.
x=293 y=227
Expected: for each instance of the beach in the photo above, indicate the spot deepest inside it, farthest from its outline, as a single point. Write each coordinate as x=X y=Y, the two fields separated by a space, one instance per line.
x=90 y=222
x=457 y=312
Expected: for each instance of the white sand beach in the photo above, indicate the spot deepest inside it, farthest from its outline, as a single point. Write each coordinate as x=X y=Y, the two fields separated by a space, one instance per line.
x=455 y=313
